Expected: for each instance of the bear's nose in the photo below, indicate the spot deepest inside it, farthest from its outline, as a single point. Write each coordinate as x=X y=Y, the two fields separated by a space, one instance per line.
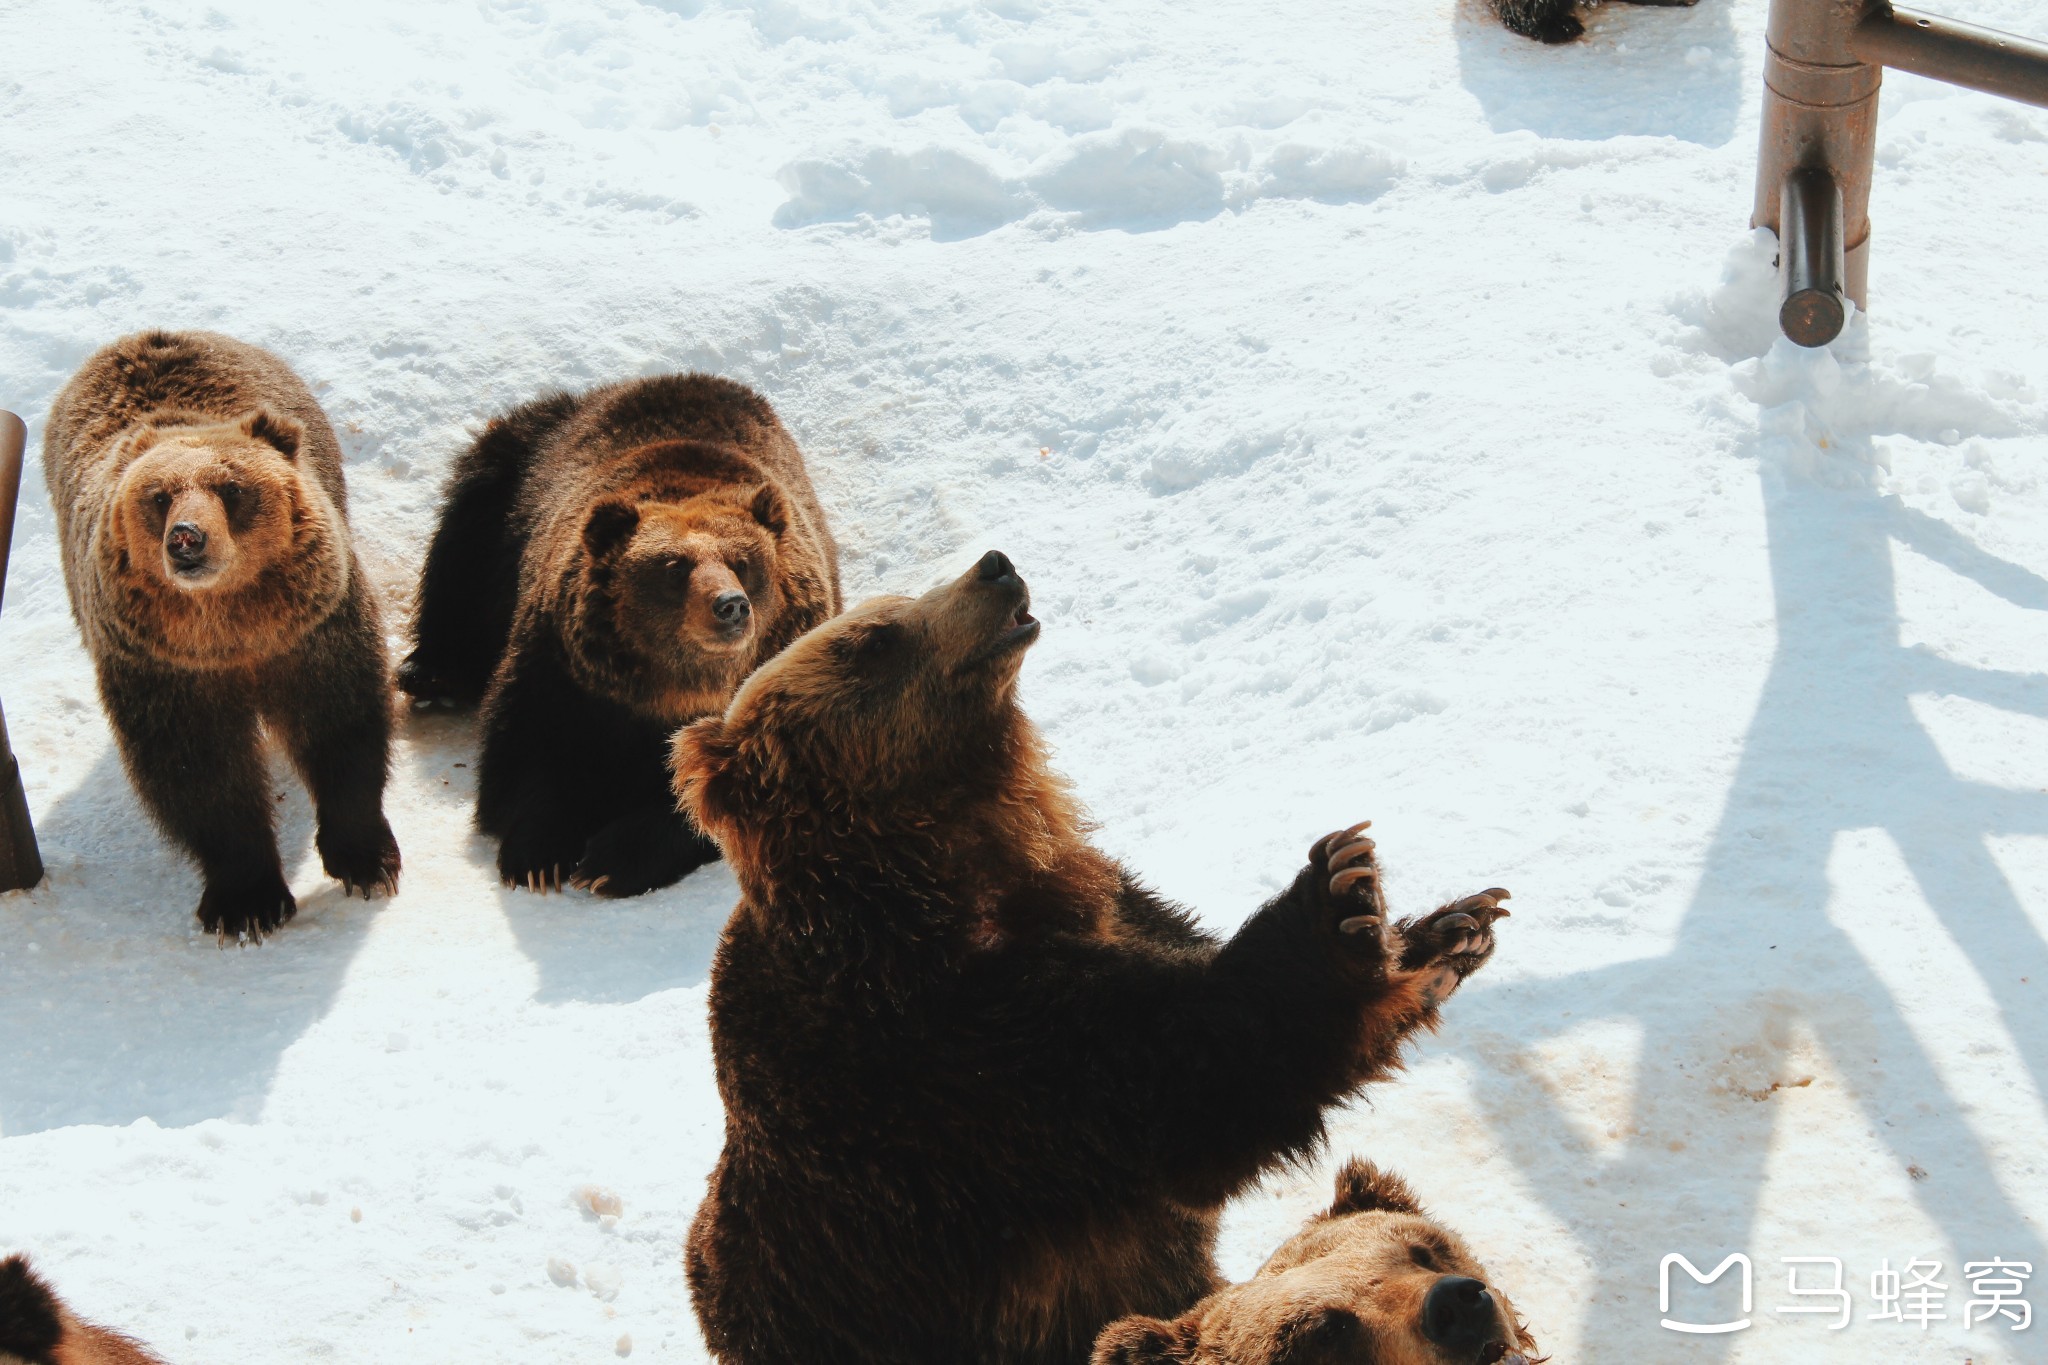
x=185 y=543
x=994 y=567
x=732 y=609
x=1459 y=1315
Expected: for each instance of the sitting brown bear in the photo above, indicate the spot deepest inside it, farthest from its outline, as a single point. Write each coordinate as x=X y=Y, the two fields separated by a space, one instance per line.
x=984 y=1091
x=205 y=533
x=1373 y=1280
x=608 y=566
x=37 y=1329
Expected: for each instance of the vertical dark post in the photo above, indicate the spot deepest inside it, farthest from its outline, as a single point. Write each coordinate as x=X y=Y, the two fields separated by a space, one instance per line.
x=1811 y=264
x=21 y=864
x=1820 y=114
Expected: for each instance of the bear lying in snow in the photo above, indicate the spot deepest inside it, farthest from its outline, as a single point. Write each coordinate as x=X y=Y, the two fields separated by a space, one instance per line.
x=204 y=527
x=37 y=1329
x=1373 y=1280
x=1554 y=21
x=608 y=566
x=984 y=1091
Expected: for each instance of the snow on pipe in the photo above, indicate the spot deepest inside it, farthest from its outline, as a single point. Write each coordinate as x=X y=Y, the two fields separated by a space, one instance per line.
x=21 y=864
x=1823 y=61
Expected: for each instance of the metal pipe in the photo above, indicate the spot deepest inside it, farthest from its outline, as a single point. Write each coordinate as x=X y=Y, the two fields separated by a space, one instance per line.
x=1952 y=51
x=21 y=863
x=1820 y=112
x=1811 y=263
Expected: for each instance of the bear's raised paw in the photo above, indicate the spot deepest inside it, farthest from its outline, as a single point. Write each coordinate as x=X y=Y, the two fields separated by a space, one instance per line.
x=1452 y=942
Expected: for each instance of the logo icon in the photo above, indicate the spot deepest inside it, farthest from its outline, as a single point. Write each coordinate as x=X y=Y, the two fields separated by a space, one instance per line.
x=1664 y=1291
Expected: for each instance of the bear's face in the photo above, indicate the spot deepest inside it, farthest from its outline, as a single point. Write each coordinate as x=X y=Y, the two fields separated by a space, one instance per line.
x=692 y=585
x=207 y=509
x=876 y=717
x=1372 y=1281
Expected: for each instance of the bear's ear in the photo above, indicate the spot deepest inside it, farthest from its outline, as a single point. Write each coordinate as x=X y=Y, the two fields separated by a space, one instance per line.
x=280 y=433
x=1145 y=1341
x=30 y=1323
x=698 y=756
x=1363 y=1187
x=768 y=509
x=611 y=524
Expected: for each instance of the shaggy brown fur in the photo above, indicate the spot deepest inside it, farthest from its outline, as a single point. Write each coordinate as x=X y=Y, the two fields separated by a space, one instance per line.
x=37 y=1329
x=204 y=522
x=1373 y=1280
x=609 y=566
x=984 y=1091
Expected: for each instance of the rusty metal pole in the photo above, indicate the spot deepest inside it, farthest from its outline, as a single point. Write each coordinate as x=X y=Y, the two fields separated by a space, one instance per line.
x=1823 y=63
x=1820 y=115
x=21 y=863
x=1961 y=54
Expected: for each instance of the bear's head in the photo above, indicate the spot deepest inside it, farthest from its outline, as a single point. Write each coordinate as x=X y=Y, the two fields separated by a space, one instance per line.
x=886 y=745
x=678 y=596
x=221 y=547
x=1372 y=1280
x=206 y=509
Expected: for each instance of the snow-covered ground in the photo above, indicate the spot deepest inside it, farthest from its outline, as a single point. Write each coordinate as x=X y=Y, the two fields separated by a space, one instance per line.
x=1385 y=412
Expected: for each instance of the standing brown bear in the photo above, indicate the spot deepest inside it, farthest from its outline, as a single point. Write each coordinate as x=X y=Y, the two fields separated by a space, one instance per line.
x=206 y=545
x=1372 y=1280
x=607 y=567
x=985 y=1092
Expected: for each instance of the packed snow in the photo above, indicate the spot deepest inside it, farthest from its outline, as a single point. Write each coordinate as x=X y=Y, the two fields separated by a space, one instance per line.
x=1387 y=415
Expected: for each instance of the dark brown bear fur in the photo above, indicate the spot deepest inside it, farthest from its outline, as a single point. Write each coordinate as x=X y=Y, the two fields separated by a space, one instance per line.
x=984 y=1091
x=1556 y=21
x=575 y=583
x=37 y=1329
x=1373 y=1280
x=204 y=523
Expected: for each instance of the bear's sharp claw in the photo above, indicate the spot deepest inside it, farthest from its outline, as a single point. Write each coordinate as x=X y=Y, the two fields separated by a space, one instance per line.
x=1459 y=921
x=1351 y=853
x=1357 y=924
x=1350 y=877
x=1334 y=839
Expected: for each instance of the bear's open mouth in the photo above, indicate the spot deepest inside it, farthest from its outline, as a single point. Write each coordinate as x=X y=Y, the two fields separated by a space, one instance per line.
x=1021 y=630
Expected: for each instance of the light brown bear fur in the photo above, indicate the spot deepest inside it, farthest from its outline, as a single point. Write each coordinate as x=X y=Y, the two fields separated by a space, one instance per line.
x=1348 y=1289
x=38 y=1328
x=195 y=442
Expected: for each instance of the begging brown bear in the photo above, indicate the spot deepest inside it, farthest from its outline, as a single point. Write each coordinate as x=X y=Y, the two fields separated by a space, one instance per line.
x=36 y=1328
x=1373 y=1280
x=608 y=566
x=984 y=1091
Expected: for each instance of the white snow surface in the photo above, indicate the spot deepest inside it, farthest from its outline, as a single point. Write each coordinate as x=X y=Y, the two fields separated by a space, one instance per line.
x=1386 y=413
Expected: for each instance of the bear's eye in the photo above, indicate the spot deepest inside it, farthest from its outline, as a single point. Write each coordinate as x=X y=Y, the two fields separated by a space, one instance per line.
x=230 y=493
x=1422 y=1256
x=160 y=500
x=675 y=575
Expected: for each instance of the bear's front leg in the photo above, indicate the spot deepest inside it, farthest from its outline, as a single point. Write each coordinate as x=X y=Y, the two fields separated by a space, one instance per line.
x=328 y=706
x=191 y=746
x=653 y=846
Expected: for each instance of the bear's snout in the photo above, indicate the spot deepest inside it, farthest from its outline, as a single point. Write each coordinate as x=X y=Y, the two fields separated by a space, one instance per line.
x=732 y=610
x=185 y=545
x=995 y=566
x=1461 y=1316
